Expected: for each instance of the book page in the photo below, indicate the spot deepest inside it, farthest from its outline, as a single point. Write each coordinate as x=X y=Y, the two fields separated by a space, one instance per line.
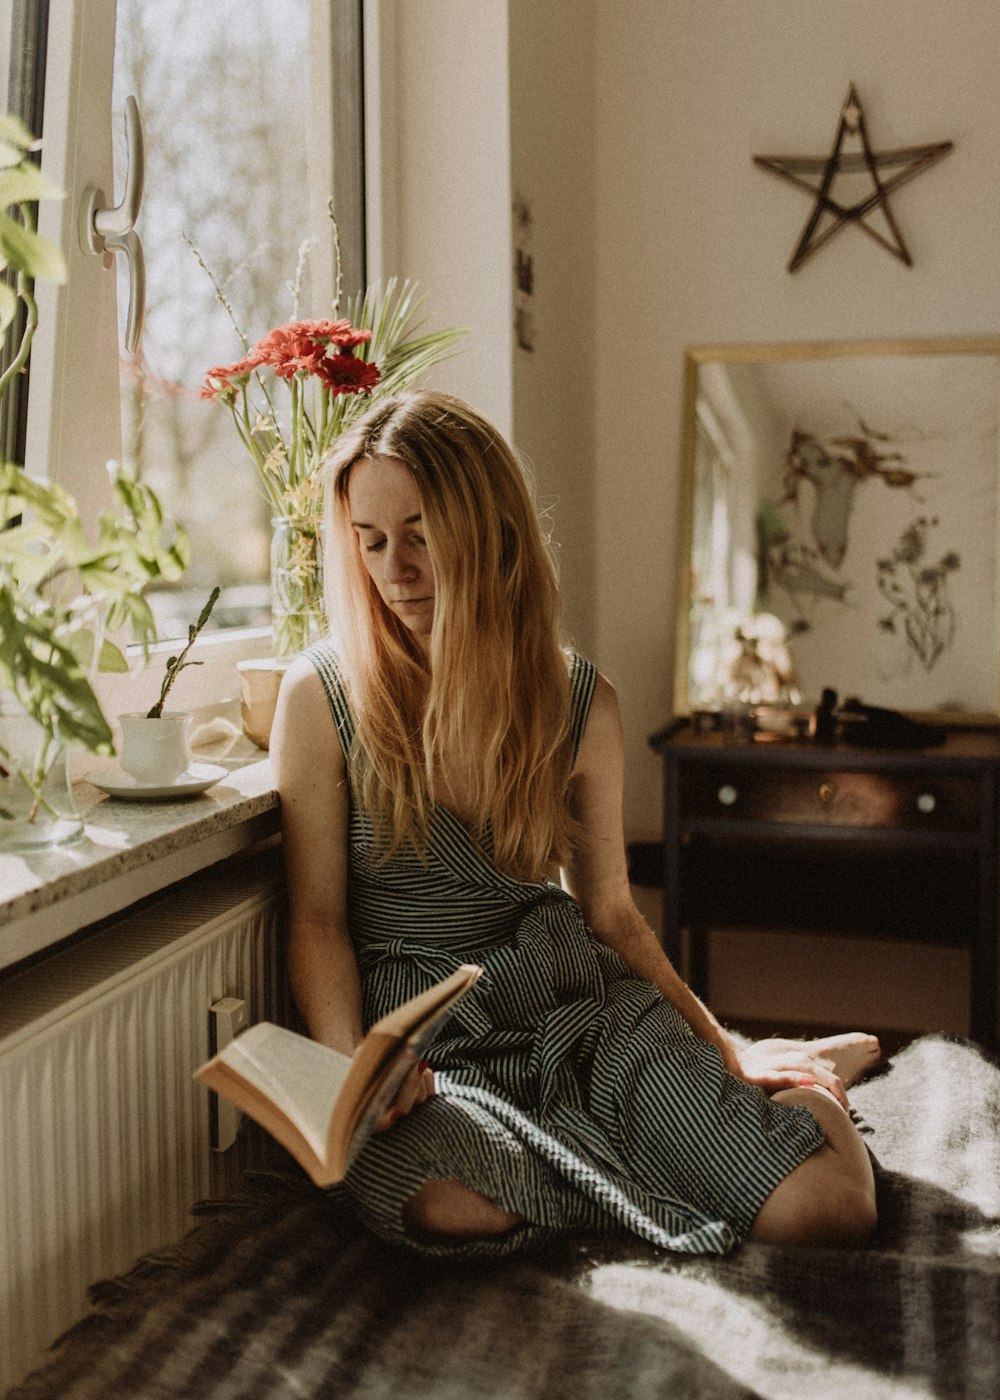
x=301 y=1077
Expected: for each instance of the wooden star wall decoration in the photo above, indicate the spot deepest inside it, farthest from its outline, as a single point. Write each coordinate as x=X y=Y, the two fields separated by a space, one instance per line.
x=866 y=176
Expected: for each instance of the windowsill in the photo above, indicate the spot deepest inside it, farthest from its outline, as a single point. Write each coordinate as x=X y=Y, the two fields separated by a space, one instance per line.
x=130 y=850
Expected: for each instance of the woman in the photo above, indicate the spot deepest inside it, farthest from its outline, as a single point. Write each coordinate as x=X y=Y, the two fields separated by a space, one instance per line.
x=435 y=771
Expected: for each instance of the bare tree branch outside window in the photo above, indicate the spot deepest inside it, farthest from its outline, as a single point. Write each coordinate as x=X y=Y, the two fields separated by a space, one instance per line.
x=223 y=92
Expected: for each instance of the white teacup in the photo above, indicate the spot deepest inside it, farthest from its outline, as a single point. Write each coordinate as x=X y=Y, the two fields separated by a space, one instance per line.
x=155 y=751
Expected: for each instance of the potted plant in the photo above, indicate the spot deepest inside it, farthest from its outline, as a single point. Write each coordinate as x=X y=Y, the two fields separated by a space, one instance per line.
x=59 y=597
x=155 y=746
x=60 y=594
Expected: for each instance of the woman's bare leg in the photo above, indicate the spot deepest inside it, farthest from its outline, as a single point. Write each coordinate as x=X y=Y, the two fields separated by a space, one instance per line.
x=451 y=1210
x=829 y=1199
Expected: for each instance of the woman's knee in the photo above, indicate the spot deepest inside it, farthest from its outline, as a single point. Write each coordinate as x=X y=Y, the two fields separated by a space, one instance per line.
x=452 y=1210
x=819 y=1203
x=830 y=1197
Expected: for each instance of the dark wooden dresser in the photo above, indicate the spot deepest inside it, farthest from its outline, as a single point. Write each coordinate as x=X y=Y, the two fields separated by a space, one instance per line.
x=834 y=838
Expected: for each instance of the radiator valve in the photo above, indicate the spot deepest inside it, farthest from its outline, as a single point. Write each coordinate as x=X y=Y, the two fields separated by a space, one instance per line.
x=226 y=1018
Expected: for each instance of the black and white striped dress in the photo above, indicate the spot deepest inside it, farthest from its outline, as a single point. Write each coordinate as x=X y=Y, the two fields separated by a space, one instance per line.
x=569 y=1091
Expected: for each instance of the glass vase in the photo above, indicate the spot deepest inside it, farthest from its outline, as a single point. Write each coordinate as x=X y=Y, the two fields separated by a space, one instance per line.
x=37 y=806
x=297 y=616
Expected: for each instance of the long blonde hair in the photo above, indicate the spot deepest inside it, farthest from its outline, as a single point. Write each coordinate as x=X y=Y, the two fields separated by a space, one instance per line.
x=494 y=704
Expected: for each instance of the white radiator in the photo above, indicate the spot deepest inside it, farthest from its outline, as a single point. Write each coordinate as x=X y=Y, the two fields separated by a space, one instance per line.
x=104 y=1138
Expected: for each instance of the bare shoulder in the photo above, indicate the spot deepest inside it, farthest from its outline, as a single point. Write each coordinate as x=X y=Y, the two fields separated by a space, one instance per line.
x=301 y=683
x=602 y=735
x=311 y=781
x=303 y=734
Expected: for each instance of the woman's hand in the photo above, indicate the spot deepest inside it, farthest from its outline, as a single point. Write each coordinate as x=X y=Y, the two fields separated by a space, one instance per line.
x=416 y=1088
x=778 y=1064
x=788 y=1064
x=833 y=1062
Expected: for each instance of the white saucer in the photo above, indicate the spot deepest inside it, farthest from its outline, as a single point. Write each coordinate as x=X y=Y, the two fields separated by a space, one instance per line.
x=117 y=783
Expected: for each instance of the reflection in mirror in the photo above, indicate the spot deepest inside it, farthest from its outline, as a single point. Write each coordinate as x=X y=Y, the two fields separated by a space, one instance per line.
x=840 y=526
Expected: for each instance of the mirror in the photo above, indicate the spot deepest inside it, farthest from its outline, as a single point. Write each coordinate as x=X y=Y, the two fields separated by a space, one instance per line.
x=840 y=514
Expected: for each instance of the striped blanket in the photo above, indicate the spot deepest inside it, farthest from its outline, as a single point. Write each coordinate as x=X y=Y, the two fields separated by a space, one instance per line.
x=277 y=1295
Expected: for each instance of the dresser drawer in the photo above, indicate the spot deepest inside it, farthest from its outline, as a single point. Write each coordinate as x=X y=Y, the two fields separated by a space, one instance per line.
x=812 y=797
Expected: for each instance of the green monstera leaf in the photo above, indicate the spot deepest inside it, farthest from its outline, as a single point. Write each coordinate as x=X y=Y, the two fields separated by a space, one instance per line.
x=59 y=593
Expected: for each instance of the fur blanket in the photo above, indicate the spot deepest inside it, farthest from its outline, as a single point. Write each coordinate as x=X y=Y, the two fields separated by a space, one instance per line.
x=276 y=1295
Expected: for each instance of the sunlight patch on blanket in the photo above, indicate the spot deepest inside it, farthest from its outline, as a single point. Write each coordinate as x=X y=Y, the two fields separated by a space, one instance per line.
x=745 y=1338
x=984 y=1242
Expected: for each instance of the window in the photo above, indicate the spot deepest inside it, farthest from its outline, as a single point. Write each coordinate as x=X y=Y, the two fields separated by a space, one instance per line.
x=252 y=121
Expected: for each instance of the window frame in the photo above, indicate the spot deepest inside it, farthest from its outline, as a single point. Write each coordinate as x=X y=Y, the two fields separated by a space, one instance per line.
x=72 y=425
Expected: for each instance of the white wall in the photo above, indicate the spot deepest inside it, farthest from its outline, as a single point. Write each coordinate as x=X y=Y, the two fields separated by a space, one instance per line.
x=471 y=112
x=438 y=142
x=552 y=172
x=693 y=241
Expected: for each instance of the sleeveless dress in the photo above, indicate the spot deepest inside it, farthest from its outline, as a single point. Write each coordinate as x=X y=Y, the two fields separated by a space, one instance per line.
x=569 y=1091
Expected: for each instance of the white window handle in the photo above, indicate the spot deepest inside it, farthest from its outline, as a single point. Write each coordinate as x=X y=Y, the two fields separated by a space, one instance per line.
x=105 y=229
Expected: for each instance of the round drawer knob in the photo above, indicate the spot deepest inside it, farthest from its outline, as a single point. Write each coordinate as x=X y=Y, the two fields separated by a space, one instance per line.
x=826 y=792
x=926 y=802
x=727 y=794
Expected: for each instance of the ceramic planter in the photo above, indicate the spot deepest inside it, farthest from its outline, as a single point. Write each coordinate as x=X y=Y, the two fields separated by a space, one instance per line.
x=260 y=681
x=155 y=751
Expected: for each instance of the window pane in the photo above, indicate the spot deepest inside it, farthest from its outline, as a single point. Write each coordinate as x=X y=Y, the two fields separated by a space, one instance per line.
x=23 y=32
x=223 y=91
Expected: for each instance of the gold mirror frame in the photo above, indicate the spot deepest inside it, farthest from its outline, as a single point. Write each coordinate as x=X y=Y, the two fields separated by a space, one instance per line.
x=851 y=489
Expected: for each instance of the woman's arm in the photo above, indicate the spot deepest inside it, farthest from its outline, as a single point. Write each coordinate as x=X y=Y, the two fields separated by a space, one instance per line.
x=597 y=873
x=310 y=776
x=597 y=877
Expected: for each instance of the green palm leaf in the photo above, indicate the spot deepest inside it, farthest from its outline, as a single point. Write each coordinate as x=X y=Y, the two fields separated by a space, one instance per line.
x=394 y=317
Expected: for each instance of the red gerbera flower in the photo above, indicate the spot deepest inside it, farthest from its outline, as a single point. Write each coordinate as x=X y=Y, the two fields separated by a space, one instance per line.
x=288 y=352
x=337 y=333
x=344 y=373
x=222 y=381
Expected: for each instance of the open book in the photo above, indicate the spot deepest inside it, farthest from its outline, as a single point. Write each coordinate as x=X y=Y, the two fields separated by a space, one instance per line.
x=320 y=1104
